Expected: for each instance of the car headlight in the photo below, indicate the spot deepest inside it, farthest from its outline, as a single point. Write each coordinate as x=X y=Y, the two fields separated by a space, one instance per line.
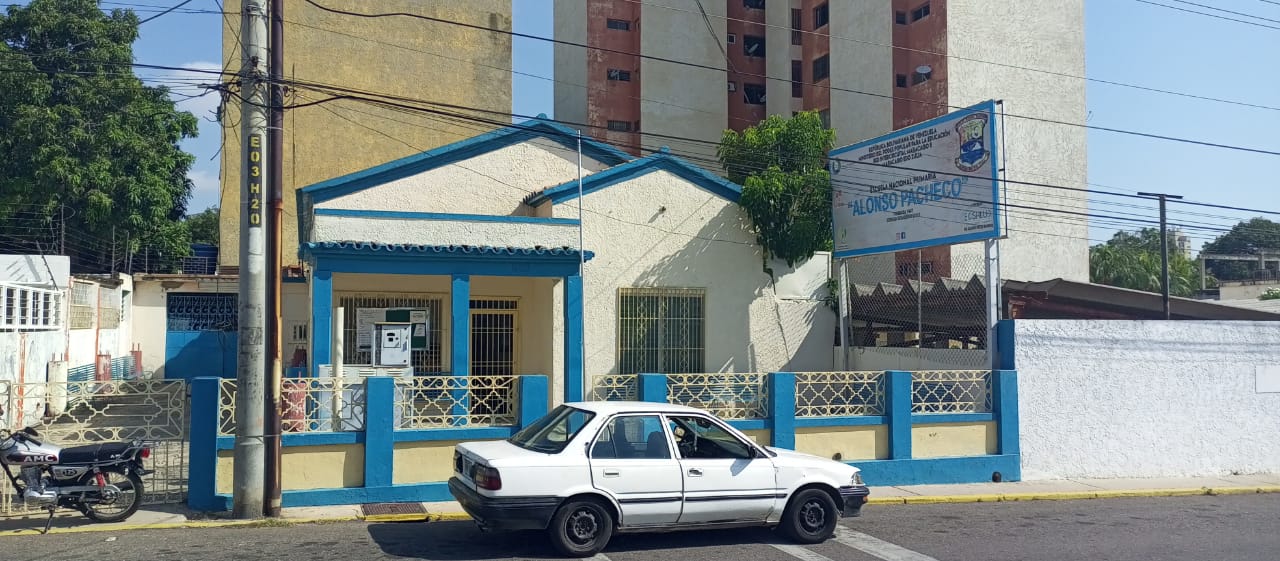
x=857 y=478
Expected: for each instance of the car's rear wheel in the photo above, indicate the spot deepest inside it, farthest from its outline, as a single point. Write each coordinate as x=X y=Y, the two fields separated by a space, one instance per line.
x=810 y=517
x=581 y=528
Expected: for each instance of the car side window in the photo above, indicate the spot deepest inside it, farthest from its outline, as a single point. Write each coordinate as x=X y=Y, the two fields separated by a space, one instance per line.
x=632 y=437
x=699 y=438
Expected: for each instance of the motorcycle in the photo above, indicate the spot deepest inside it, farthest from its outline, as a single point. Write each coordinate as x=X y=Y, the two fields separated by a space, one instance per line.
x=102 y=481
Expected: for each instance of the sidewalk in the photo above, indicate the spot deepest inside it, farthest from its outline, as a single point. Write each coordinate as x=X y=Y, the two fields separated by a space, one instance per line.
x=174 y=516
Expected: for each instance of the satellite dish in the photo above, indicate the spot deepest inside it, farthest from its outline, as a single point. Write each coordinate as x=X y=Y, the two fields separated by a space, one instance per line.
x=924 y=69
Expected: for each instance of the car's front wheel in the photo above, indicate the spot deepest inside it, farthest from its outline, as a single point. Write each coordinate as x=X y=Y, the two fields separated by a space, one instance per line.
x=810 y=517
x=581 y=528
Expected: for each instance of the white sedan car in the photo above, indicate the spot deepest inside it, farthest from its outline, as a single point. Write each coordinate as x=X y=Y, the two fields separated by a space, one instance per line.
x=588 y=470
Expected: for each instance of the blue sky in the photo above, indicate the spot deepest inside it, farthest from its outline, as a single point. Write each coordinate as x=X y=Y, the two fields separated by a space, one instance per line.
x=1126 y=41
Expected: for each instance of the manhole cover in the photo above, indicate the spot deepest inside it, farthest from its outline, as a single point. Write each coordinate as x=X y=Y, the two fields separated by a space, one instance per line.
x=394 y=511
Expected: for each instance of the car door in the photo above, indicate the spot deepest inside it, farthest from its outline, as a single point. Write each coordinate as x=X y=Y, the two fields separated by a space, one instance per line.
x=724 y=479
x=632 y=459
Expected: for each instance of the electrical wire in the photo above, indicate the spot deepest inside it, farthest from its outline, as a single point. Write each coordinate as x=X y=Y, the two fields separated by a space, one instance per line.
x=1206 y=14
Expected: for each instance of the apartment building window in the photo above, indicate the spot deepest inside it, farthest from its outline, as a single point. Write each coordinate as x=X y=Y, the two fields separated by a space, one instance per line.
x=753 y=94
x=753 y=4
x=822 y=68
x=900 y=80
x=918 y=77
x=732 y=38
x=620 y=126
x=821 y=15
x=825 y=116
x=618 y=24
x=900 y=18
x=796 y=26
x=920 y=13
x=797 y=78
x=753 y=45
x=733 y=86
x=619 y=75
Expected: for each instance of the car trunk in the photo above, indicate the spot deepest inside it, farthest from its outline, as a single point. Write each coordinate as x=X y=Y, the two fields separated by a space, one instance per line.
x=468 y=454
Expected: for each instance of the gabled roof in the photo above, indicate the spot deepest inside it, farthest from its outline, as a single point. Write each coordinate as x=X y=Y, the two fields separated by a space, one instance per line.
x=662 y=160
x=538 y=127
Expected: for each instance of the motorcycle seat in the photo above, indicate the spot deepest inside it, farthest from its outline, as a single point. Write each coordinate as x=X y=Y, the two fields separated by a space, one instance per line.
x=93 y=453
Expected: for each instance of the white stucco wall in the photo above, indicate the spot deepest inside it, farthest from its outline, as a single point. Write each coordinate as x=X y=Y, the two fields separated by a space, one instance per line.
x=1040 y=34
x=699 y=241
x=25 y=355
x=1146 y=398
x=491 y=183
x=444 y=232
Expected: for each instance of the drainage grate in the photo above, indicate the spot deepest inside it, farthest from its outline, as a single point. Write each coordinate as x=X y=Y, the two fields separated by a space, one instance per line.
x=393 y=509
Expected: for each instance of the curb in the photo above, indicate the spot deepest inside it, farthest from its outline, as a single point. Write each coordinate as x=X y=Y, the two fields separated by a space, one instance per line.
x=1074 y=495
x=279 y=522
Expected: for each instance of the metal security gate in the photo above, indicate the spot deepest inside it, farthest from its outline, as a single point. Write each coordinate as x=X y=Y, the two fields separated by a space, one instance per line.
x=90 y=412
x=427 y=353
x=201 y=335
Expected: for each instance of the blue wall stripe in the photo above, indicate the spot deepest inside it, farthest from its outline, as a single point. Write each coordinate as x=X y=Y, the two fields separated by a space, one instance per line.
x=651 y=388
x=782 y=409
x=804 y=422
x=1004 y=386
x=967 y=469
x=897 y=399
x=433 y=435
x=936 y=418
x=749 y=424
x=1006 y=344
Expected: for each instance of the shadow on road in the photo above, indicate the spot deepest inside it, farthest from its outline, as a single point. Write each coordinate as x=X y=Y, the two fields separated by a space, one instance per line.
x=462 y=541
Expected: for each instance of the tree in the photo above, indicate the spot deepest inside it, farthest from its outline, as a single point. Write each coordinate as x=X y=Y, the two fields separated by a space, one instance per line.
x=203 y=226
x=1132 y=260
x=85 y=139
x=1246 y=238
x=786 y=189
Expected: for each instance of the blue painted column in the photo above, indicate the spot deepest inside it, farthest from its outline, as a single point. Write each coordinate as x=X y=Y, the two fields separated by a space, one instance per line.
x=573 y=333
x=202 y=471
x=535 y=393
x=1004 y=396
x=651 y=388
x=897 y=404
x=321 y=319
x=1005 y=345
x=460 y=342
x=782 y=410
x=379 y=426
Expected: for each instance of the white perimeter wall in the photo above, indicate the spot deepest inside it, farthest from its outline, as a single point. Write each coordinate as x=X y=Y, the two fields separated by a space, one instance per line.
x=1147 y=398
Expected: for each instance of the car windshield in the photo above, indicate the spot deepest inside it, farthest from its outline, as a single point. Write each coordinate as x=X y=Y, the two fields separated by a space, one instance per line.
x=553 y=431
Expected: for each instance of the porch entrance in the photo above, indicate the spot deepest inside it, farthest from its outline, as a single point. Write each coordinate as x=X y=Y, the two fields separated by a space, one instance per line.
x=494 y=337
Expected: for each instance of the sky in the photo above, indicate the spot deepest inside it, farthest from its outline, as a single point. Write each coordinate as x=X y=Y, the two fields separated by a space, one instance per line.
x=1126 y=41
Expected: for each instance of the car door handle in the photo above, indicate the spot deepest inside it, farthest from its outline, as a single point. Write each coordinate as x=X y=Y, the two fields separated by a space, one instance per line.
x=695 y=472
x=611 y=473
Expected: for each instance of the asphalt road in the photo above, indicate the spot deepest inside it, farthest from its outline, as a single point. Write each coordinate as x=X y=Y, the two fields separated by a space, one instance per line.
x=1236 y=528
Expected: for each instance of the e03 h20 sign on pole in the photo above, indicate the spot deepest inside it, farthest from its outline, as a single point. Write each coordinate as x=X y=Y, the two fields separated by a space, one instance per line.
x=930 y=184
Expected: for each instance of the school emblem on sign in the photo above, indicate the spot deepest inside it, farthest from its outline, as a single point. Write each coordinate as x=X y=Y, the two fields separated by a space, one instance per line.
x=973 y=142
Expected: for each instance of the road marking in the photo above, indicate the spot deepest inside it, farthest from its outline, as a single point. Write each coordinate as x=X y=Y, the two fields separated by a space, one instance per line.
x=800 y=552
x=877 y=547
x=598 y=557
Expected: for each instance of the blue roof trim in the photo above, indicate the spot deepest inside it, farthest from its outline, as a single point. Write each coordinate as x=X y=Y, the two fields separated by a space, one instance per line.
x=534 y=128
x=443 y=250
x=660 y=161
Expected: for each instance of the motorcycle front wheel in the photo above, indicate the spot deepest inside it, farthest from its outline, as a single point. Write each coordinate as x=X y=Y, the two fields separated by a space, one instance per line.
x=125 y=503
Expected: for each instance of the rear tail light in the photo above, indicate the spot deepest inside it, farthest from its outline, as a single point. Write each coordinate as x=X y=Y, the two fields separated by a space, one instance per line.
x=486 y=478
x=146 y=453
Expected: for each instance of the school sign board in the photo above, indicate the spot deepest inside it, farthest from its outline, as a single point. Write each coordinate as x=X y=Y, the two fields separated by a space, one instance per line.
x=930 y=184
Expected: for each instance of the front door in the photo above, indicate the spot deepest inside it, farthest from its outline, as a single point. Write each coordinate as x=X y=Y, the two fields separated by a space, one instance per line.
x=493 y=351
x=631 y=459
x=723 y=480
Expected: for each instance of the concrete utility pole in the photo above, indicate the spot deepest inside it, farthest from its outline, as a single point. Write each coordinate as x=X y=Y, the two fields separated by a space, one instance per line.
x=275 y=337
x=1164 y=249
x=247 y=481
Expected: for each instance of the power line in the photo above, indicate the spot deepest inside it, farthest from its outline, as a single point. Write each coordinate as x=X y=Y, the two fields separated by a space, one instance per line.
x=1225 y=11
x=184 y=3
x=977 y=60
x=1206 y=14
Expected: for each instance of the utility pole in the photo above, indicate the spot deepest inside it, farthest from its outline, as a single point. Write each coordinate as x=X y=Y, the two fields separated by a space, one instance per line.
x=1164 y=249
x=247 y=476
x=275 y=169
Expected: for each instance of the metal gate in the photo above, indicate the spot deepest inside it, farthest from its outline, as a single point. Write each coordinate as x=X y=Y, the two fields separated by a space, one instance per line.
x=201 y=335
x=88 y=412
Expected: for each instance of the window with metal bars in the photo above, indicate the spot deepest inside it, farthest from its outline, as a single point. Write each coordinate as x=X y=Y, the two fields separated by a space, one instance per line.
x=661 y=330
x=619 y=75
x=796 y=25
x=427 y=353
x=821 y=15
x=822 y=68
x=797 y=78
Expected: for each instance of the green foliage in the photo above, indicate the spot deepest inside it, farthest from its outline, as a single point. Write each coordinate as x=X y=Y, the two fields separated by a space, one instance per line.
x=1248 y=237
x=1272 y=293
x=83 y=134
x=1132 y=260
x=786 y=189
x=203 y=226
